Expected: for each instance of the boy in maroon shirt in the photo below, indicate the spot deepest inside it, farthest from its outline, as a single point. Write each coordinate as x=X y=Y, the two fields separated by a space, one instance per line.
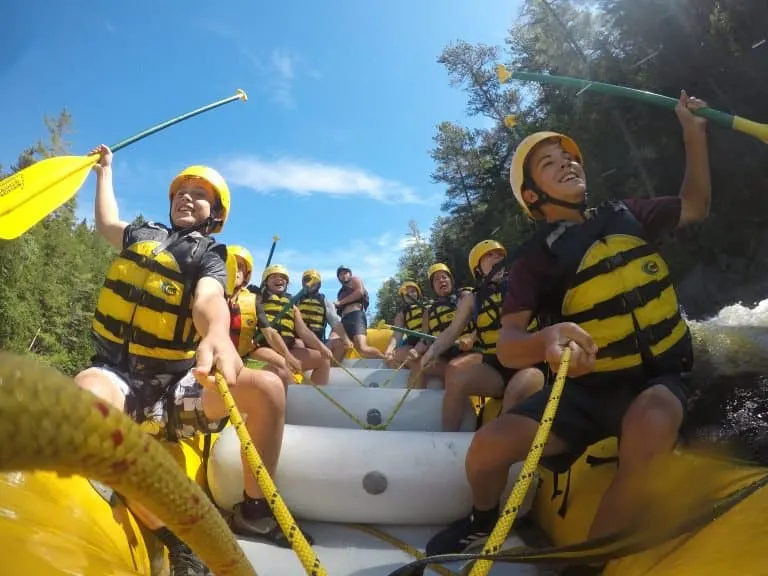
x=599 y=287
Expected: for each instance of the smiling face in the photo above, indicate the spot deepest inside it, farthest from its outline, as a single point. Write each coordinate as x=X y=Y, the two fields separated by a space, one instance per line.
x=277 y=283
x=556 y=172
x=344 y=276
x=191 y=205
x=442 y=283
x=411 y=294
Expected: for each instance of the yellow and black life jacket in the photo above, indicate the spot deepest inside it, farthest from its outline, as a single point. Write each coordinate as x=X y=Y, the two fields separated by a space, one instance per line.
x=312 y=308
x=143 y=318
x=488 y=316
x=273 y=305
x=617 y=287
x=443 y=311
x=243 y=321
x=412 y=316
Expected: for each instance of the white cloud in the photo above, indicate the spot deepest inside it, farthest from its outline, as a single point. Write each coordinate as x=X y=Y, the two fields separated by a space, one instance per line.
x=304 y=177
x=374 y=260
x=278 y=69
x=283 y=67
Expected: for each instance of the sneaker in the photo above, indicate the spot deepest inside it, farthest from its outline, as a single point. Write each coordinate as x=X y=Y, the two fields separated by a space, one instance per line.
x=184 y=562
x=264 y=528
x=460 y=537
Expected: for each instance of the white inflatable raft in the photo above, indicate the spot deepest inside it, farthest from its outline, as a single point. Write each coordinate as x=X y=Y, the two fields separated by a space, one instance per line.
x=331 y=470
x=363 y=363
x=364 y=476
x=374 y=378
x=354 y=551
x=420 y=410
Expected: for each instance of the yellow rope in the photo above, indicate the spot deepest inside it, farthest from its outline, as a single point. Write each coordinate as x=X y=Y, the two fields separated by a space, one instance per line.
x=48 y=423
x=515 y=500
x=293 y=533
x=364 y=425
x=341 y=407
x=350 y=374
x=388 y=380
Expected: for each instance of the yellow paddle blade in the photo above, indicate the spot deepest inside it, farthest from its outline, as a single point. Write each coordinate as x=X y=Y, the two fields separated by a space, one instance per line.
x=751 y=127
x=33 y=193
x=503 y=74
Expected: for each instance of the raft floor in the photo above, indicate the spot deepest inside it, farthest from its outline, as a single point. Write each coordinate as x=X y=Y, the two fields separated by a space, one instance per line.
x=344 y=550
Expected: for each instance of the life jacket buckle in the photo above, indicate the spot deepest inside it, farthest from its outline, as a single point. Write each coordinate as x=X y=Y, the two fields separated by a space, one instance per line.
x=614 y=262
x=632 y=300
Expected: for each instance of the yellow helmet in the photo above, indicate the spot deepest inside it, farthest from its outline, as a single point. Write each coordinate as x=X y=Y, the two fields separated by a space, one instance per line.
x=408 y=284
x=245 y=255
x=311 y=276
x=210 y=179
x=439 y=267
x=481 y=249
x=520 y=157
x=275 y=269
x=231 y=265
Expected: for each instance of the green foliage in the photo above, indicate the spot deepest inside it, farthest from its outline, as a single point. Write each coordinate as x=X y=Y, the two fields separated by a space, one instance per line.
x=711 y=48
x=50 y=276
x=414 y=262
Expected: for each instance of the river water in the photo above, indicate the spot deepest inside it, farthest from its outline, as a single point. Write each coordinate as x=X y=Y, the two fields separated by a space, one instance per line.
x=731 y=407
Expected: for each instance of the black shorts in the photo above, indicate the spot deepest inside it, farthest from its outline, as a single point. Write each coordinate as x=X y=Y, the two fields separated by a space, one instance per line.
x=355 y=323
x=506 y=373
x=588 y=413
x=167 y=406
x=452 y=352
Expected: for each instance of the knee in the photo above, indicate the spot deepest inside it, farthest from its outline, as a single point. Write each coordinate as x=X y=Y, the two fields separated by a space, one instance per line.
x=262 y=387
x=455 y=383
x=655 y=417
x=94 y=381
x=657 y=408
x=526 y=382
x=491 y=449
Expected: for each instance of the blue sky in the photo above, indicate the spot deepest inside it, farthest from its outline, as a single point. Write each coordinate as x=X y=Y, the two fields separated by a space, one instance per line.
x=331 y=151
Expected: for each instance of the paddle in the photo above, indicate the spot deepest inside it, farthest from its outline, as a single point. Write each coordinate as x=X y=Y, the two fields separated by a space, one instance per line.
x=271 y=251
x=756 y=129
x=269 y=260
x=31 y=194
x=423 y=335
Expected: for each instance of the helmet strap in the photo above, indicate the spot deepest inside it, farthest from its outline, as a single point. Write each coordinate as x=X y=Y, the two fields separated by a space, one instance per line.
x=544 y=198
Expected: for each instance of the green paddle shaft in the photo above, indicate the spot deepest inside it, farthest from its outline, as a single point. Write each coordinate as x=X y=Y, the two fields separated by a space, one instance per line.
x=408 y=332
x=240 y=95
x=726 y=120
x=744 y=125
x=621 y=91
x=429 y=337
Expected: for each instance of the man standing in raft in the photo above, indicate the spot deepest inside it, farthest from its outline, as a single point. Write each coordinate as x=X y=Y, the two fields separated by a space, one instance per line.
x=351 y=303
x=609 y=298
x=160 y=328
